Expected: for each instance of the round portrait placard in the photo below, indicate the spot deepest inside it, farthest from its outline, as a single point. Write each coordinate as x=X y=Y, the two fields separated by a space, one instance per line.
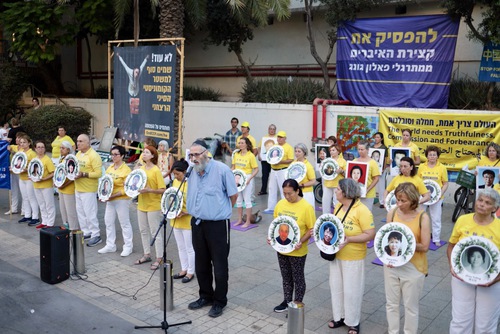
x=328 y=169
x=475 y=260
x=59 y=175
x=275 y=154
x=394 y=244
x=390 y=201
x=19 y=162
x=297 y=171
x=135 y=182
x=284 y=234
x=328 y=233
x=434 y=190
x=72 y=166
x=170 y=200
x=105 y=188
x=35 y=169
x=240 y=178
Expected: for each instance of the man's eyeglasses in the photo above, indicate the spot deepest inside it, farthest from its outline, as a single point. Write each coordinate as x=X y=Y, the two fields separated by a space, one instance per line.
x=196 y=155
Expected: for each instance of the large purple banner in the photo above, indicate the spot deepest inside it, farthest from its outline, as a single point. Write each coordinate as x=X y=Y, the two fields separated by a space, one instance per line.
x=396 y=62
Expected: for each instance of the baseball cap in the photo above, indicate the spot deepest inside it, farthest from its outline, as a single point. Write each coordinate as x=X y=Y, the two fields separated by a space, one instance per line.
x=245 y=124
x=281 y=134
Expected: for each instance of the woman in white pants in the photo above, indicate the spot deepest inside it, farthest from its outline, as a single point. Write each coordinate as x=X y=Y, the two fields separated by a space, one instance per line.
x=330 y=186
x=44 y=188
x=30 y=204
x=245 y=160
x=67 y=200
x=309 y=180
x=118 y=205
x=476 y=308
x=182 y=226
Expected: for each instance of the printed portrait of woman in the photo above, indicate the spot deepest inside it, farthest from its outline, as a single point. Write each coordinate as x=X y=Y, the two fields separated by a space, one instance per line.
x=329 y=234
x=475 y=260
x=394 y=244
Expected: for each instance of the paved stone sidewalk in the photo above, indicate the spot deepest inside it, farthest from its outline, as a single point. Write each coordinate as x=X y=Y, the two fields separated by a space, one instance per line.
x=254 y=287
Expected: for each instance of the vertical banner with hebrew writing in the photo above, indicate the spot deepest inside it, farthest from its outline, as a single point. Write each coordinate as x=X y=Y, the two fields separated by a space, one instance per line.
x=396 y=62
x=4 y=165
x=144 y=92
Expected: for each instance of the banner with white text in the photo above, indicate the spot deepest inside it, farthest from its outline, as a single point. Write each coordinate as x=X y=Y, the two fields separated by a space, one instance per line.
x=396 y=61
x=460 y=137
x=4 y=165
x=144 y=92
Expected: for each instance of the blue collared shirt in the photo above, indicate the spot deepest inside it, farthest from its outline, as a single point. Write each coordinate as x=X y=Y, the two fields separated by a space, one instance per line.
x=208 y=197
x=230 y=138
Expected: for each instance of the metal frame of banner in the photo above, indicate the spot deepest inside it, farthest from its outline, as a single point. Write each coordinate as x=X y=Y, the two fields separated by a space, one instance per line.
x=180 y=51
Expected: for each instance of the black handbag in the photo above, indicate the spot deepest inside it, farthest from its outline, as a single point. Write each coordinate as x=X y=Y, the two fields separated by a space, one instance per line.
x=331 y=257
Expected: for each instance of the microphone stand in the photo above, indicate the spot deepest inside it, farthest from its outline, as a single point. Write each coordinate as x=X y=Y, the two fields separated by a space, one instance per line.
x=164 y=324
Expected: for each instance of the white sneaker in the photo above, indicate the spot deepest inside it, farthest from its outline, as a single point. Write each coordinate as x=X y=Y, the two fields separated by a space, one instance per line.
x=126 y=252
x=106 y=249
x=11 y=213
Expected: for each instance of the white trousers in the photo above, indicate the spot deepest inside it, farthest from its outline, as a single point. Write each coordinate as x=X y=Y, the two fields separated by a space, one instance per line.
x=184 y=241
x=120 y=208
x=15 y=192
x=67 y=206
x=276 y=179
x=381 y=185
x=86 y=211
x=474 y=309
x=347 y=286
x=246 y=195
x=148 y=224
x=30 y=204
x=368 y=202
x=329 y=199
x=435 y=211
x=45 y=199
x=309 y=197
x=404 y=282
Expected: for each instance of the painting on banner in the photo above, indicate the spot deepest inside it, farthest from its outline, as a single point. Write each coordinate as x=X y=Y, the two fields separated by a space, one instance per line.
x=396 y=62
x=144 y=92
x=460 y=137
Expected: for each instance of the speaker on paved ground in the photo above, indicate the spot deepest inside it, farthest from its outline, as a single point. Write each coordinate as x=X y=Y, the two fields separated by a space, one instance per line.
x=54 y=254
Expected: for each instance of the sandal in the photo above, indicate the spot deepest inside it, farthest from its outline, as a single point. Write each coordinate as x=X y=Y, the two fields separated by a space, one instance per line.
x=353 y=330
x=336 y=324
x=143 y=259
x=155 y=265
x=262 y=193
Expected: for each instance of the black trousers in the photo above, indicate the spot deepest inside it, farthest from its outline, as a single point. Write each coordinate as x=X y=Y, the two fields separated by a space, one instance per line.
x=266 y=170
x=211 y=246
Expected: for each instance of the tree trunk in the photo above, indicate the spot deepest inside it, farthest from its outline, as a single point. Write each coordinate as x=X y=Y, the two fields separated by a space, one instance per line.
x=137 y=26
x=489 y=96
x=246 y=67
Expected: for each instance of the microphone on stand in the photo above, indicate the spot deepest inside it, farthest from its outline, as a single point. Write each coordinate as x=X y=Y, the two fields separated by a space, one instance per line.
x=190 y=169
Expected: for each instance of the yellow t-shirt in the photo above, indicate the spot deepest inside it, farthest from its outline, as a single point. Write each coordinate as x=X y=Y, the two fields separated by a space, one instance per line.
x=288 y=154
x=467 y=227
x=374 y=171
x=304 y=215
x=414 y=150
x=48 y=168
x=56 y=145
x=88 y=162
x=358 y=219
x=184 y=222
x=149 y=201
x=69 y=189
x=119 y=175
x=30 y=154
x=310 y=175
x=246 y=162
x=419 y=259
x=437 y=173
x=415 y=180
x=251 y=138
x=486 y=162
x=335 y=182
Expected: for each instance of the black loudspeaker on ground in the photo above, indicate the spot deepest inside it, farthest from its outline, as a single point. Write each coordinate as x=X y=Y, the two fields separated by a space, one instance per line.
x=54 y=254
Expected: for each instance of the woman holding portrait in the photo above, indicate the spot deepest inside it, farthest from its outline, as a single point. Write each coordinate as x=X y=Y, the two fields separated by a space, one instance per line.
x=476 y=308
x=165 y=161
x=378 y=138
x=347 y=271
x=330 y=186
x=309 y=180
x=407 y=143
x=407 y=281
x=373 y=173
x=408 y=173
x=43 y=188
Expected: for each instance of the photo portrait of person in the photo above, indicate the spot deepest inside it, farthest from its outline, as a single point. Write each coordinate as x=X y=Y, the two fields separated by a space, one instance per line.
x=268 y=144
x=135 y=183
x=378 y=156
x=171 y=203
x=488 y=179
x=105 y=188
x=237 y=179
x=397 y=155
x=295 y=172
x=321 y=153
x=71 y=166
x=329 y=169
x=59 y=174
x=35 y=171
x=475 y=260
x=19 y=162
x=431 y=189
x=283 y=232
x=356 y=173
x=394 y=244
x=329 y=233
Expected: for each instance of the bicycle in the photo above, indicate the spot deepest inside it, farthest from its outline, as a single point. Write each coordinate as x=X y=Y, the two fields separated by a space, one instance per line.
x=465 y=195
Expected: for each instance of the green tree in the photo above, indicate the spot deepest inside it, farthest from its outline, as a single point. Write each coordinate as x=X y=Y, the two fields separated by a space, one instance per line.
x=485 y=31
x=12 y=85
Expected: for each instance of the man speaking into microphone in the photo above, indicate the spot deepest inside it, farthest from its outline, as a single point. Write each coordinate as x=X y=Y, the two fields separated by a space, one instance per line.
x=211 y=196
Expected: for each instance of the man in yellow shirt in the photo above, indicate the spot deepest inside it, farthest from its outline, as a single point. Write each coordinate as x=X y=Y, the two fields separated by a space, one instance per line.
x=90 y=165
x=245 y=133
x=278 y=172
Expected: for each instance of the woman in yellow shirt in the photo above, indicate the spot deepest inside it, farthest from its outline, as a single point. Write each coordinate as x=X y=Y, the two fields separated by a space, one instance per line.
x=310 y=178
x=408 y=173
x=182 y=226
x=406 y=142
x=330 y=186
x=56 y=144
x=373 y=175
x=149 y=207
x=117 y=205
x=43 y=188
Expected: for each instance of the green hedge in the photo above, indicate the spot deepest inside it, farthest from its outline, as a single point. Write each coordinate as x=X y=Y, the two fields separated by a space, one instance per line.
x=201 y=94
x=281 y=90
x=467 y=93
x=41 y=124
